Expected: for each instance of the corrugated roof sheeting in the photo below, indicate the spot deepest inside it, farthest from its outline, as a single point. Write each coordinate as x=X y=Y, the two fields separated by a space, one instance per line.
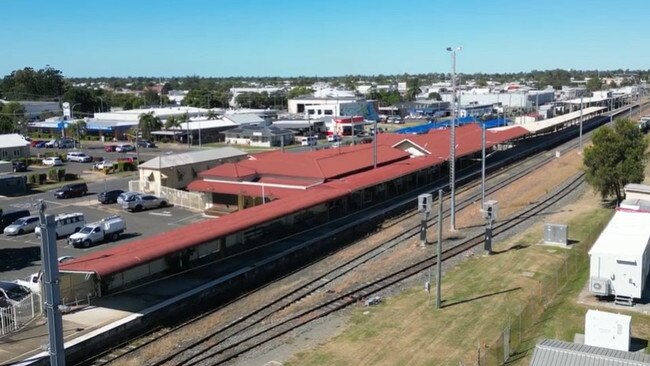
x=552 y=352
x=120 y=258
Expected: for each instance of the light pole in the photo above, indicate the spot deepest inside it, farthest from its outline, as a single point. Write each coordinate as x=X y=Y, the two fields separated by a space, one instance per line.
x=101 y=108
x=452 y=140
x=581 y=107
x=72 y=117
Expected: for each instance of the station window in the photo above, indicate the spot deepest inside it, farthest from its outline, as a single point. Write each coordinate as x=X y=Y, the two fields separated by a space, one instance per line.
x=16 y=152
x=4 y=153
x=328 y=113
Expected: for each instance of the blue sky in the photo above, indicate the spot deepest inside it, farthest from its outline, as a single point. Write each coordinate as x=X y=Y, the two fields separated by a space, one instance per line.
x=322 y=38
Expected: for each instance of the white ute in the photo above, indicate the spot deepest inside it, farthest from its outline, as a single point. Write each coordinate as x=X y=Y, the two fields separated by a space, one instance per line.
x=109 y=228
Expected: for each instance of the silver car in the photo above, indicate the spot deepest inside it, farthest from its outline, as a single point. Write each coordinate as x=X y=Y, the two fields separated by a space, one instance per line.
x=144 y=201
x=125 y=197
x=22 y=225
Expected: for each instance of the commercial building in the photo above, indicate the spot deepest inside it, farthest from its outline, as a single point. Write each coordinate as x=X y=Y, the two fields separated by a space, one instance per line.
x=258 y=135
x=13 y=146
x=178 y=170
x=298 y=105
x=133 y=115
x=519 y=99
x=235 y=92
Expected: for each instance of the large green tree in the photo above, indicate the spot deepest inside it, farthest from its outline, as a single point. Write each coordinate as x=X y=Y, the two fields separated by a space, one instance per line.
x=204 y=98
x=149 y=122
x=30 y=84
x=413 y=88
x=11 y=114
x=616 y=158
x=594 y=84
x=84 y=100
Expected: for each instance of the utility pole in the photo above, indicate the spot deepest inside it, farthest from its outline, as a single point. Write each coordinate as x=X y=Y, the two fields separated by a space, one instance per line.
x=374 y=146
x=439 y=266
x=452 y=141
x=51 y=287
x=482 y=164
x=581 y=107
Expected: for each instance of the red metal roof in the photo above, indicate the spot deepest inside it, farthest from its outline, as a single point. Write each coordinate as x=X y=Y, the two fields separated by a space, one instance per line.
x=228 y=170
x=117 y=259
x=244 y=189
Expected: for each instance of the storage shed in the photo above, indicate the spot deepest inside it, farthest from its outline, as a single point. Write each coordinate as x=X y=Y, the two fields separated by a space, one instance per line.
x=551 y=352
x=619 y=260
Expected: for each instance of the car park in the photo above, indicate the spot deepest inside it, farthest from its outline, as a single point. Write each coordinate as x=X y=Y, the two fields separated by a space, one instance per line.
x=9 y=217
x=78 y=157
x=146 y=143
x=124 y=148
x=12 y=293
x=109 y=196
x=66 y=224
x=53 y=161
x=143 y=202
x=22 y=225
x=109 y=228
x=19 y=166
x=72 y=190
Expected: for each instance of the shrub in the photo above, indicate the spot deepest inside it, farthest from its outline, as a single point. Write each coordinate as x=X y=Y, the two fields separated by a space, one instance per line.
x=60 y=174
x=70 y=176
x=33 y=179
x=42 y=177
x=52 y=174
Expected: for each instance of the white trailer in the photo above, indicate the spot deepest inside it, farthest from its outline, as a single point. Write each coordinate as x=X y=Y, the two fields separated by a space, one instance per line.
x=620 y=258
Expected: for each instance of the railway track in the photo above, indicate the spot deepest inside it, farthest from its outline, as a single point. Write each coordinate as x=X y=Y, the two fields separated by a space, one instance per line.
x=246 y=323
x=221 y=347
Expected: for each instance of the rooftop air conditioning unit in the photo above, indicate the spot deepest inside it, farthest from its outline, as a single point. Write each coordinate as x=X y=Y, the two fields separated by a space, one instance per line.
x=599 y=286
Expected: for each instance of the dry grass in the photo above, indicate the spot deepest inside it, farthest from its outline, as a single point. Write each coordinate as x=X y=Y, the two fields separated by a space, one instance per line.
x=480 y=295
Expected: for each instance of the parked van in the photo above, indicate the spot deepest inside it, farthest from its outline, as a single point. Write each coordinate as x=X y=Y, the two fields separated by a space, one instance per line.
x=7 y=218
x=309 y=141
x=66 y=224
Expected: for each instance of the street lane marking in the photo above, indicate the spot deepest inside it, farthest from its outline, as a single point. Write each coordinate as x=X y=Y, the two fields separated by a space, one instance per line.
x=164 y=213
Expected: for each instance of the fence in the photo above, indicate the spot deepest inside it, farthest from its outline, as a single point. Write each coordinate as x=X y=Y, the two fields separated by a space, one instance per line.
x=15 y=316
x=512 y=337
x=176 y=197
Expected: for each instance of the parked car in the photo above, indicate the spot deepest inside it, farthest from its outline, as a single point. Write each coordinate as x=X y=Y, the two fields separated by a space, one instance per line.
x=309 y=141
x=146 y=143
x=50 y=144
x=79 y=157
x=109 y=148
x=9 y=217
x=72 y=190
x=66 y=224
x=109 y=196
x=109 y=228
x=104 y=164
x=53 y=161
x=333 y=138
x=19 y=166
x=40 y=144
x=11 y=293
x=143 y=202
x=22 y=225
x=126 y=197
x=33 y=143
x=65 y=144
x=124 y=148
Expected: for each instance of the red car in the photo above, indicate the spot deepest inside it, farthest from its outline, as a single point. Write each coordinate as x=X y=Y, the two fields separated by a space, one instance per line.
x=33 y=143
x=109 y=148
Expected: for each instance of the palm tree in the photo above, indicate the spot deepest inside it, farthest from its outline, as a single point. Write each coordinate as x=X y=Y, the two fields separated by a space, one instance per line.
x=79 y=128
x=211 y=114
x=149 y=122
x=185 y=118
x=172 y=122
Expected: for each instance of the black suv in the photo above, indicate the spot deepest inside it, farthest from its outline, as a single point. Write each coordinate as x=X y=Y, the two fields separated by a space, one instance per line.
x=72 y=190
x=19 y=166
x=146 y=143
x=109 y=196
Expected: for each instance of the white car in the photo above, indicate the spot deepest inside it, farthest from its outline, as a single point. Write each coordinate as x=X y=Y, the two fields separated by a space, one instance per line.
x=53 y=161
x=106 y=164
x=78 y=157
x=124 y=148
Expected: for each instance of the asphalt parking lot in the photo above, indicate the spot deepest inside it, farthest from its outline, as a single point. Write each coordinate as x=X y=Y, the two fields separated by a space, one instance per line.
x=20 y=255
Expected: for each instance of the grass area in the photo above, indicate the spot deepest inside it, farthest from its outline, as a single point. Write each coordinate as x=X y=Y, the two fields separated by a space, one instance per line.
x=481 y=295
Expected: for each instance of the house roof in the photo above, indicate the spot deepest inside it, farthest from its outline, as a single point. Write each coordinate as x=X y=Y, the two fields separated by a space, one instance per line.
x=169 y=161
x=243 y=118
x=552 y=352
x=253 y=189
x=12 y=140
x=228 y=171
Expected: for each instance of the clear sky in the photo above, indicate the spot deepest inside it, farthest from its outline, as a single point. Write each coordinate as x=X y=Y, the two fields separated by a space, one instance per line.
x=320 y=37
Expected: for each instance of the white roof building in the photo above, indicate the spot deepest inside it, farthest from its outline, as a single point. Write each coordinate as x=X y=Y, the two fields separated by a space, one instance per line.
x=133 y=115
x=12 y=140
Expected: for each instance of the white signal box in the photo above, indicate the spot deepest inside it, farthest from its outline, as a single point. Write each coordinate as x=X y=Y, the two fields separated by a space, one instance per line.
x=425 y=202
x=490 y=209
